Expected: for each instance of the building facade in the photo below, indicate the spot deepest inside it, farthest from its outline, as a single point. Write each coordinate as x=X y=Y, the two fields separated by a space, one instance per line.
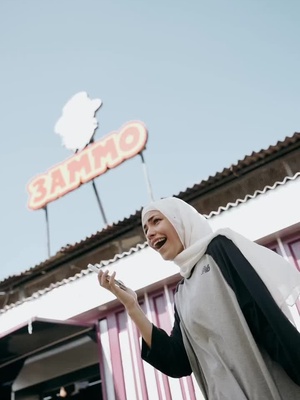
x=61 y=335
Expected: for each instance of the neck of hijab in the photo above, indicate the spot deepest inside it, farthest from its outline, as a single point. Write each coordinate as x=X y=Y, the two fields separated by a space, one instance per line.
x=195 y=233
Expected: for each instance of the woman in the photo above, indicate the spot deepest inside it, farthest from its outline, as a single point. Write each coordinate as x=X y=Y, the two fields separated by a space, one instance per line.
x=233 y=326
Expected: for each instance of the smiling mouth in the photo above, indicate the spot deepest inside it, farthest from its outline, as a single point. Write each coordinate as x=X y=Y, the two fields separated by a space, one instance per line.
x=159 y=243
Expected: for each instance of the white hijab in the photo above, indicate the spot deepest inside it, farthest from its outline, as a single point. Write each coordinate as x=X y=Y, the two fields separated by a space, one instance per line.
x=195 y=233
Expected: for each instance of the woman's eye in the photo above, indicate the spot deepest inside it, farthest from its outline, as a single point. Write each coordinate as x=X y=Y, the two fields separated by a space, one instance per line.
x=156 y=221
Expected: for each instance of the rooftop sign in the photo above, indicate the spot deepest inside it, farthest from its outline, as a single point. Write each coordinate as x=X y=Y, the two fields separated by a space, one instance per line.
x=91 y=160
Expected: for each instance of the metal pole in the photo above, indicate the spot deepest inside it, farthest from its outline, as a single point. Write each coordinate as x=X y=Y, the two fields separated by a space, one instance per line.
x=47 y=230
x=95 y=189
x=148 y=183
x=99 y=202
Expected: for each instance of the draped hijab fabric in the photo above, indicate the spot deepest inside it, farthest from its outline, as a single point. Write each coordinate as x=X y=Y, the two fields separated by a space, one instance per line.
x=280 y=277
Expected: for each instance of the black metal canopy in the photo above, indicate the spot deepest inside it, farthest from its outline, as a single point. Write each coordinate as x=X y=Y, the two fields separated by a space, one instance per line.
x=33 y=337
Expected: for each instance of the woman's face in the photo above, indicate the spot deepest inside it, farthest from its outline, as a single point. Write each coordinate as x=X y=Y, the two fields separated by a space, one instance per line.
x=161 y=235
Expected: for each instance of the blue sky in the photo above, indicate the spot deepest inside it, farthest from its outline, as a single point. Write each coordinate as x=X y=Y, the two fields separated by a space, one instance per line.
x=212 y=80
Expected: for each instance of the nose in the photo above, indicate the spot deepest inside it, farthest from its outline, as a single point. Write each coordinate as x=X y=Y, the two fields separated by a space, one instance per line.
x=150 y=232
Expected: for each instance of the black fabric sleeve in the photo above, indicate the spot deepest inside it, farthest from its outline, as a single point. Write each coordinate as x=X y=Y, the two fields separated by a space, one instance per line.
x=167 y=353
x=270 y=328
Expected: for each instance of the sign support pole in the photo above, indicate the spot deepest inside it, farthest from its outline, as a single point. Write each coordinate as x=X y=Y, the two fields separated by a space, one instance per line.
x=148 y=183
x=99 y=202
x=47 y=230
x=97 y=195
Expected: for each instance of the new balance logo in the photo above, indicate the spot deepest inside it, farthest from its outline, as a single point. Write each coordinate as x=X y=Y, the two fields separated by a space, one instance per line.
x=205 y=269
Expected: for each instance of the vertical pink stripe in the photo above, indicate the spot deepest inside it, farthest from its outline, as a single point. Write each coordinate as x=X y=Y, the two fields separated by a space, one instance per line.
x=117 y=367
x=162 y=321
x=183 y=390
x=191 y=388
x=294 y=248
x=137 y=338
x=101 y=364
x=123 y=326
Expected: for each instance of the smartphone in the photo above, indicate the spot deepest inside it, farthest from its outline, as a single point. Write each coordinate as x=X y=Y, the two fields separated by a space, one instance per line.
x=96 y=269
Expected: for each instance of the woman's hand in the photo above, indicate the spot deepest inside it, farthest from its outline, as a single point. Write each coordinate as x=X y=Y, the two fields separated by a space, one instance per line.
x=126 y=296
x=129 y=299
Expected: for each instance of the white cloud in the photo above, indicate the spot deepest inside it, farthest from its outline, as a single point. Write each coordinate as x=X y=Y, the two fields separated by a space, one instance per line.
x=77 y=124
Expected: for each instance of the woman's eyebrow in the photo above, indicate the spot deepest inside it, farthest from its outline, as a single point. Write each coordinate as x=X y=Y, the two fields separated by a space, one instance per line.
x=149 y=220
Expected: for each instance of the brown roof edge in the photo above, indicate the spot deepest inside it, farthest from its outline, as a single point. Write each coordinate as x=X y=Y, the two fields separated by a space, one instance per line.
x=242 y=167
